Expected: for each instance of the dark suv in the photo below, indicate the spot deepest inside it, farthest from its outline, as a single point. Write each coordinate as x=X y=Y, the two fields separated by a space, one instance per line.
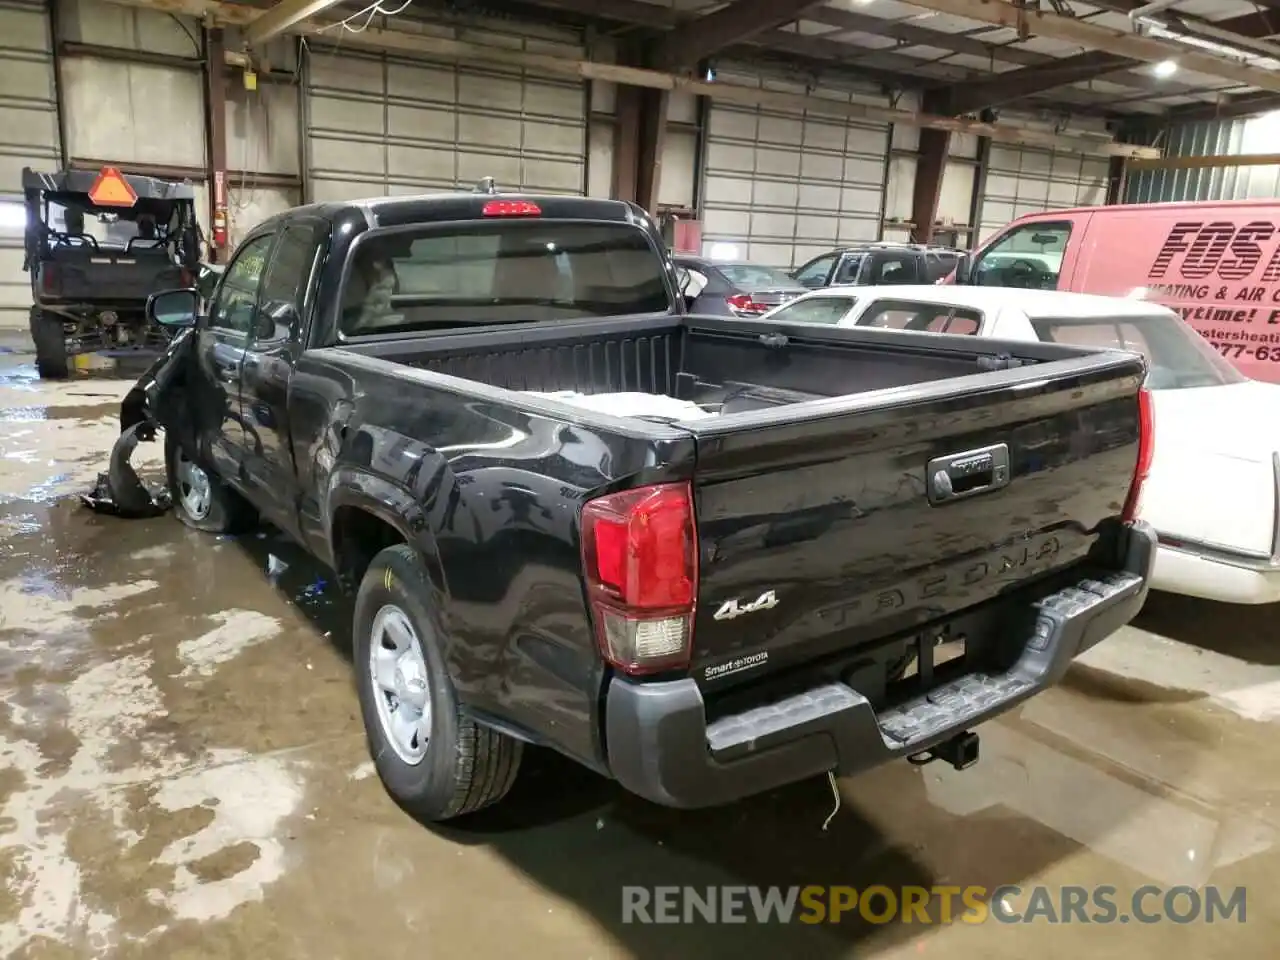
x=876 y=264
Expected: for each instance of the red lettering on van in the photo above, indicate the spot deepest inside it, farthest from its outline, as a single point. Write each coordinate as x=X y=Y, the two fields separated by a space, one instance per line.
x=1217 y=248
x=1207 y=250
x=1174 y=244
x=1245 y=252
x=1272 y=273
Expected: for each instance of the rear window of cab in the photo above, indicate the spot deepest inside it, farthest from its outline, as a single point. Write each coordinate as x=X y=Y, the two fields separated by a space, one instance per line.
x=922 y=317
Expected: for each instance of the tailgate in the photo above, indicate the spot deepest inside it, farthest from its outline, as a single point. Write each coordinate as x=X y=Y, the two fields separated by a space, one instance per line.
x=825 y=527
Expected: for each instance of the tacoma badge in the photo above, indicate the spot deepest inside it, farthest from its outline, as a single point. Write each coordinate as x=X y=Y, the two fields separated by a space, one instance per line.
x=731 y=609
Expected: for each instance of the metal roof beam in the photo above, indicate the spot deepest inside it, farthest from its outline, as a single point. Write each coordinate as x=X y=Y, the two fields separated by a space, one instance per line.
x=1097 y=37
x=1231 y=108
x=283 y=17
x=1030 y=81
x=739 y=21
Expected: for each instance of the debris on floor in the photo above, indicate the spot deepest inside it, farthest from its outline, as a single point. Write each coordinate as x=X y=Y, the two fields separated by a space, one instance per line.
x=119 y=492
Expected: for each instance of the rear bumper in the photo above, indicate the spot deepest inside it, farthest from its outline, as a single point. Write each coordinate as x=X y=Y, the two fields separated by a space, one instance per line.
x=661 y=747
x=1211 y=578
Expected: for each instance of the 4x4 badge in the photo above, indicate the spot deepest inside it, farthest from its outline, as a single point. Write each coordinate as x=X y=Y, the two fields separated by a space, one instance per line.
x=731 y=609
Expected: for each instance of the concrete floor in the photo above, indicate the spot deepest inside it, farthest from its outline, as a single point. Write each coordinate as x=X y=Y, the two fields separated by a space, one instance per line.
x=183 y=774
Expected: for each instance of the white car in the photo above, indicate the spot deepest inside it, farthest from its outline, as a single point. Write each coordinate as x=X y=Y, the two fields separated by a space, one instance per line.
x=1213 y=493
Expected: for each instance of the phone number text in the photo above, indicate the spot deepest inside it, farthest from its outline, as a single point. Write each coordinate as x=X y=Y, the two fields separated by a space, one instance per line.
x=1244 y=351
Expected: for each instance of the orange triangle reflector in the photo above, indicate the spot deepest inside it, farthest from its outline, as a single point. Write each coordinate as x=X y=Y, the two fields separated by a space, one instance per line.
x=111 y=189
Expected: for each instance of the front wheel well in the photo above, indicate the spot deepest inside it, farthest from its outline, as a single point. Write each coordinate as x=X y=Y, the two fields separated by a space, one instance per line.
x=358 y=537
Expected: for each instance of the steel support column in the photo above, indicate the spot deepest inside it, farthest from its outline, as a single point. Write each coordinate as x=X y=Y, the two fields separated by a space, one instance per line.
x=931 y=165
x=626 y=143
x=638 y=138
x=653 y=134
x=215 y=104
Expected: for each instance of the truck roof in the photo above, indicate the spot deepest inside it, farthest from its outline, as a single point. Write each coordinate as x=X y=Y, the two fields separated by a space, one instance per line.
x=462 y=205
x=893 y=245
x=1036 y=304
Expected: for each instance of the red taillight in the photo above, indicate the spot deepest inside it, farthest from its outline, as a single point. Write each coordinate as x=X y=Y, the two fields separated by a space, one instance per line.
x=48 y=277
x=742 y=303
x=188 y=279
x=1146 y=449
x=512 y=208
x=640 y=555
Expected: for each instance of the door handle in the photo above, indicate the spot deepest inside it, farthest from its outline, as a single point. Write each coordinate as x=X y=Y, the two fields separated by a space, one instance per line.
x=967 y=474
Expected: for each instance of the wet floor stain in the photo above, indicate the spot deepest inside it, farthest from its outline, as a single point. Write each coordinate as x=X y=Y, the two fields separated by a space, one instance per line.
x=183 y=774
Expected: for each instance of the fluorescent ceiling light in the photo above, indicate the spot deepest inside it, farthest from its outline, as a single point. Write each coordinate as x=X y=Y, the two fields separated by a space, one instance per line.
x=1165 y=68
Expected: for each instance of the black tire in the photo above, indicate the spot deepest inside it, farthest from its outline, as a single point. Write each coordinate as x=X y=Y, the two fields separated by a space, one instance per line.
x=227 y=511
x=51 y=345
x=464 y=766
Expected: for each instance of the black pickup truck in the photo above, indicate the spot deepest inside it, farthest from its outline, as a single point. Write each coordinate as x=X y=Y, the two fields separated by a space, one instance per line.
x=703 y=556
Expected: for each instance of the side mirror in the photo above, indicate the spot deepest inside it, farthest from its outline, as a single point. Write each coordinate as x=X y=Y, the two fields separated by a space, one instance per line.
x=964 y=269
x=174 y=308
x=277 y=320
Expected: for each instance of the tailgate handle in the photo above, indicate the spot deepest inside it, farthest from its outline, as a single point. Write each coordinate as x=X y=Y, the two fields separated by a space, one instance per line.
x=967 y=474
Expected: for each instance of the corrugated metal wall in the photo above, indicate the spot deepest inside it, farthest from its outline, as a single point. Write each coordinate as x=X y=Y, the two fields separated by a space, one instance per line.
x=678 y=176
x=1252 y=135
x=132 y=112
x=1022 y=180
x=28 y=137
x=955 y=194
x=394 y=125
x=784 y=187
x=264 y=130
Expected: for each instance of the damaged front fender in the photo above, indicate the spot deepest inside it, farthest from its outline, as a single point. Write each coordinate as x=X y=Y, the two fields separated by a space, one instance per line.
x=152 y=400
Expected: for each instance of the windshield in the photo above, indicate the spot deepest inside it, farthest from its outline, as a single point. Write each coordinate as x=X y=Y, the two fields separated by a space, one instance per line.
x=749 y=276
x=1177 y=357
x=501 y=271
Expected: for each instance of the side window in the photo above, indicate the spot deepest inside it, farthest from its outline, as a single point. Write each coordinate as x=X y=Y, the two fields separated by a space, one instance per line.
x=826 y=310
x=939 y=265
x=847 y=272
x=814 y=273
x=893 y=268
x=237 y=297
x=1028 y=257
x=921 y=317
x=287 y=279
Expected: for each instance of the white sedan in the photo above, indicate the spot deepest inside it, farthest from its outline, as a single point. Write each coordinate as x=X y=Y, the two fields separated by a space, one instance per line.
x=1213 y=493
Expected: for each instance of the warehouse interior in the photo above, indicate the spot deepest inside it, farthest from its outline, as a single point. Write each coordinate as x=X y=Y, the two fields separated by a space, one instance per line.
x=183 y=771
x=953 y=119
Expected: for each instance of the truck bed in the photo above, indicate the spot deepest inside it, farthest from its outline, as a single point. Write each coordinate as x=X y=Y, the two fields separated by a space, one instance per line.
x=815 y=480
x=723 y=366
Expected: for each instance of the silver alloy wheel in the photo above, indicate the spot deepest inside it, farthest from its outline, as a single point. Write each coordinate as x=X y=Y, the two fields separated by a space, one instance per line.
x=194 y=489
x=398 y=672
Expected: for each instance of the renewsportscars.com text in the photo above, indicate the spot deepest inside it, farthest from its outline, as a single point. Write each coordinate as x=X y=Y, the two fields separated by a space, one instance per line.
x=932 y=905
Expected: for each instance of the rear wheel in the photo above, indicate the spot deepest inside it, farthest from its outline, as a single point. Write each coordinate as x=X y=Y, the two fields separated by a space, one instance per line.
x=201 y=500
x=51 y=345
x=434 y=760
